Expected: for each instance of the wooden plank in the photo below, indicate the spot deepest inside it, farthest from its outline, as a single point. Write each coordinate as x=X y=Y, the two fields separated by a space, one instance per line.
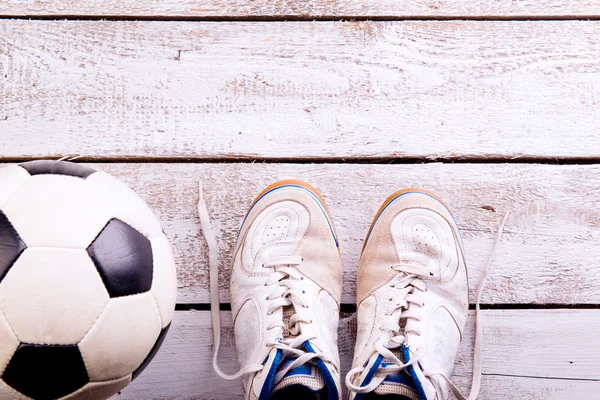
x=548 y=254
x=303 y=8
x=311 y=90
x=531 y=354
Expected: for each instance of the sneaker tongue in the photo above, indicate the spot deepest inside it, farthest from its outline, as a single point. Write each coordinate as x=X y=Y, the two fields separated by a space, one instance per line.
x=307 y=375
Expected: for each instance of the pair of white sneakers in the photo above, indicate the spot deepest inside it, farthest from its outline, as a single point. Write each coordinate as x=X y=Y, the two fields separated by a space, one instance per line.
x=286 y=286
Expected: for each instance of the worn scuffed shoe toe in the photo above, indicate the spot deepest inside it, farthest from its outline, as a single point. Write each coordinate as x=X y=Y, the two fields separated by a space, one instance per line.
x=412 y=301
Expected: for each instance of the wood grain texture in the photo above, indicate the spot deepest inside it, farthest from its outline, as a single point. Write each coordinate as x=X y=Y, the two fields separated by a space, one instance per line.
x=303 y=8
x=286 y=90
x=549 y=252
x=530 y=354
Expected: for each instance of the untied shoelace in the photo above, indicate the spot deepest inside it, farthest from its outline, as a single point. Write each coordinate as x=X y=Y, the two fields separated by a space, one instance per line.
x=397 y=365
x=284 y=279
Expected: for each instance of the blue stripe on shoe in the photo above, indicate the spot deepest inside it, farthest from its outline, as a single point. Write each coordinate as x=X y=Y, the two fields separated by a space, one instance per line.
x=332 y=390
x=310 y=192
x=372 y=371
x=369 y=376
x=413 y=373
x=265 y=392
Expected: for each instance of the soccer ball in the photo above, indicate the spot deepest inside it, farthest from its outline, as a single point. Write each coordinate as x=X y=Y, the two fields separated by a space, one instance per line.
x=87 y=283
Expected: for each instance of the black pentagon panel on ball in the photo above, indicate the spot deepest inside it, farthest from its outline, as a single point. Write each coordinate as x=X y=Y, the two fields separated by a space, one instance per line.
x=53 y=167
x=11 y=245
x=45 y=371
x=155 y=348
x=124 y=259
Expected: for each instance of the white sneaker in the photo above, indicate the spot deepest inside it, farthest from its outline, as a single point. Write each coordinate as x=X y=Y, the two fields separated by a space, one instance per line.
x=285 y=296
x=412 y=297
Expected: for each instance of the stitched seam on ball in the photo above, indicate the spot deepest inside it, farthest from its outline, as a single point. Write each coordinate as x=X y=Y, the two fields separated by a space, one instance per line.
x=160 y=316
x=8 y=322
x=93 y=324
x=109 y=381
x=58 y=248
x=105 y=304
x=22 y=396
x=158 y=310
x=152 y=286
x=159 y=332
x=14 y=333
x=87 y=366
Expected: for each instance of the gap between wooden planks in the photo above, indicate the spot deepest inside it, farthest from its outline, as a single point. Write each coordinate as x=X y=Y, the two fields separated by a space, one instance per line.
x=548 y=253
x=304 y=8
x=300 y=90
x=528 y=354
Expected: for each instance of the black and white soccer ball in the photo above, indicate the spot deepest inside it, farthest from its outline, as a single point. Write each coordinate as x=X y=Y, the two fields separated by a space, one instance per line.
x=87 y=283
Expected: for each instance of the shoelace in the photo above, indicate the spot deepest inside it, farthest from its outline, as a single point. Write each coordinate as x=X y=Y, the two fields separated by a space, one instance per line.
x=410 y=287
x=286 y=292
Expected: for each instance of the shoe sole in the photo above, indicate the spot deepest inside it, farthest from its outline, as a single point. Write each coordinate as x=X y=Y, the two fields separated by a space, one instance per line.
x=293 y=183
x=392 y=198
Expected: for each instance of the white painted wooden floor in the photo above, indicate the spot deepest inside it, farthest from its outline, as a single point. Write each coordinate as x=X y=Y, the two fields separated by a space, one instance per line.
x=494 y=105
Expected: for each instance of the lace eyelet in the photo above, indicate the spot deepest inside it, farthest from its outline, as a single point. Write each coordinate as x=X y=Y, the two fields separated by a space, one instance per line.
x=303 y=292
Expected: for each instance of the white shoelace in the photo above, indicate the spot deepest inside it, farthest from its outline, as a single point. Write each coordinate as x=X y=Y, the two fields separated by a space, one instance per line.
x=286 y=291
x=411 y=286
